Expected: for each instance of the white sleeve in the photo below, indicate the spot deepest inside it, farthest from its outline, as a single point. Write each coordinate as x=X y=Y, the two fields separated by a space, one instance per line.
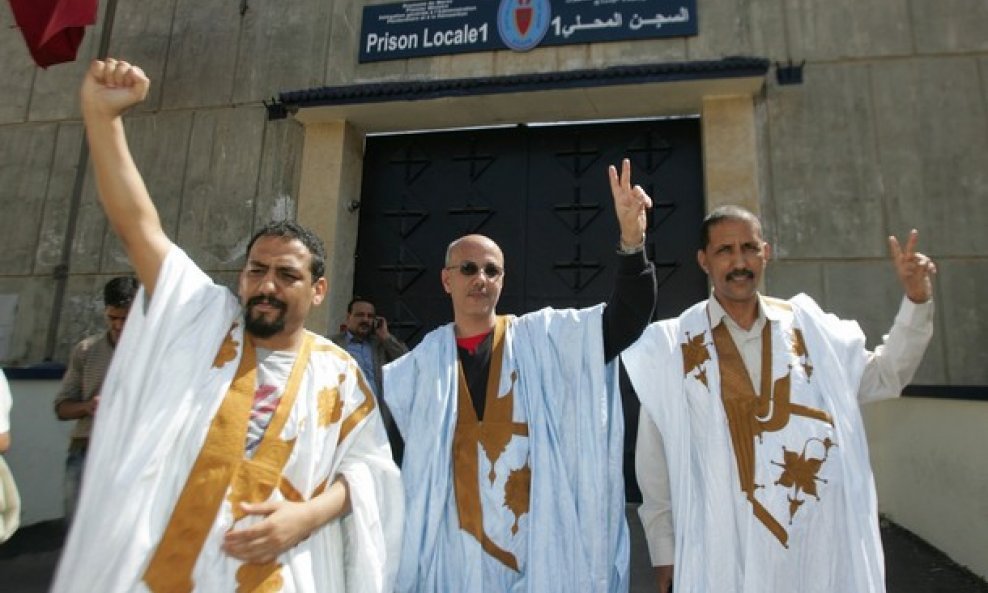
x=892 y=365
x=653 y=479
x=373 y=527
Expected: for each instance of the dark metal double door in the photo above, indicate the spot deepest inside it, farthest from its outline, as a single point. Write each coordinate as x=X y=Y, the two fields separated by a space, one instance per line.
x=543 y=195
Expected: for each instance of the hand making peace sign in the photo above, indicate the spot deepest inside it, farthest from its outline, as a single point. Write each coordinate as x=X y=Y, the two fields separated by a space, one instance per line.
x=630 y=204
x=915 y=270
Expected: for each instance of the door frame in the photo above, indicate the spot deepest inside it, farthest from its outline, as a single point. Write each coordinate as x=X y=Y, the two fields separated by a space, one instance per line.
x=333 y=140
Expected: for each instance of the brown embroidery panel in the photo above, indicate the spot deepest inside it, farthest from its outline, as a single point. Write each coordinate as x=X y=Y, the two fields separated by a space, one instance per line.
x=749 y=416
x=800 y=471
x=361 y=411
x=259 y=578
x=330 y=406
x=695 y=354
x=517 y=492
x=228 y=349
x=492 y=436
x=220 y=466
x=171 y=565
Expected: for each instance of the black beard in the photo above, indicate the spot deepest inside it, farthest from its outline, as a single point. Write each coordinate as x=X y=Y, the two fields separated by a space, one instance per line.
x=257 y=326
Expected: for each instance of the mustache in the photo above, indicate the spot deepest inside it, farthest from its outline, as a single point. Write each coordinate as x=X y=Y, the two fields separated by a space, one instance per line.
x=266 y=300
x=741 y=273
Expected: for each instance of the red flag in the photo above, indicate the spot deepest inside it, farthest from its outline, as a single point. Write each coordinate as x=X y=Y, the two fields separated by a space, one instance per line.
x=53 y=29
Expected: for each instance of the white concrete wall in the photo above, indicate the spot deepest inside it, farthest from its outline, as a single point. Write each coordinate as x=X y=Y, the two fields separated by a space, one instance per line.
x=37 y=450
x=931 y=470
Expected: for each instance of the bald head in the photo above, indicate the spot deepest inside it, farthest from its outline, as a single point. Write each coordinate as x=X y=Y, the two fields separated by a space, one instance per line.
x=473 y=242
x=473 y=277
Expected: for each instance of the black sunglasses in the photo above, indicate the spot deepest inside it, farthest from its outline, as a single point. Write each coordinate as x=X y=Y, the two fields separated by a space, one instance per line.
x=469 y=268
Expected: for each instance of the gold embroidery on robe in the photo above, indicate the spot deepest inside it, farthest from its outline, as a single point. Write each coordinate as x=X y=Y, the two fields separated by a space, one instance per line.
x=220 y=466
x=228 y=349
x=330 y=405
x=259 y=578
x=516 y=493
x=365 y=407
x=749 y=416
x=694 y=355
x=493 y=434
x=290 y=493
x=800 y=473
x=332 y=349
x=799 y=349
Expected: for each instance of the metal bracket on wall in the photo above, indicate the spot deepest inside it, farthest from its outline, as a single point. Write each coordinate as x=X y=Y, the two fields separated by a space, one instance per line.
x=790 y=73
x=276 y=109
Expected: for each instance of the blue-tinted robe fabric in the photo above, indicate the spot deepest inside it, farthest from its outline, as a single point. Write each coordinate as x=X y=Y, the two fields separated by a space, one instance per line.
x=574 y=536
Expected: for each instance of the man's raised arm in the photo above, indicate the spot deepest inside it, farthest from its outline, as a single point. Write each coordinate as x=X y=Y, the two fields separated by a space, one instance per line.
x=109 y=88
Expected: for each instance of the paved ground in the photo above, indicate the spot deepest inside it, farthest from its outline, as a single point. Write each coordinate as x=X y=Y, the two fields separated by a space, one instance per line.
x=913 y=566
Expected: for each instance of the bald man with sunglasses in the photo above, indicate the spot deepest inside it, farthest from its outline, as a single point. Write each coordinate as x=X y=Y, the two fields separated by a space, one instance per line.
x=514 y=432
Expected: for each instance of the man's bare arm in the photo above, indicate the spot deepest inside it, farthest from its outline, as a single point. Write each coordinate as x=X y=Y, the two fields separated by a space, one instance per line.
x=109 y=88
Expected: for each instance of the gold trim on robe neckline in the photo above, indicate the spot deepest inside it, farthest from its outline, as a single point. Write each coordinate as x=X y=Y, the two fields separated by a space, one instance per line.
x=361 y=412
x=493 y=434
x=221 y=465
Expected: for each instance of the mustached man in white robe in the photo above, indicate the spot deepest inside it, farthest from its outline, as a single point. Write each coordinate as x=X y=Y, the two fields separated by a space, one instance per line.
x=233 y=450
x=751 y=427
x=514 y=431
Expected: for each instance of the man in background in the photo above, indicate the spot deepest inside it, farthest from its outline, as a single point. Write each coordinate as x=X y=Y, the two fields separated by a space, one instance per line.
x=366 y=337
x=78 y=397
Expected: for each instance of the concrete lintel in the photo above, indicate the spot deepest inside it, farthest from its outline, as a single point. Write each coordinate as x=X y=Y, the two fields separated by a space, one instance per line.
x=580 y=104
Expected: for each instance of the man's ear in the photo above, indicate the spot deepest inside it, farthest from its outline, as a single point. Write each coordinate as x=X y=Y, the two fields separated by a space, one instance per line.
x=445 y=280
x=319 y=289
x=767 y=250
x=701 y=259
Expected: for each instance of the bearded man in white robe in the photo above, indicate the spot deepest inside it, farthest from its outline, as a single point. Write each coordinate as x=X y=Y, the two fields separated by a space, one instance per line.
x=751 y=454
x=514 y=432
x=234 y=450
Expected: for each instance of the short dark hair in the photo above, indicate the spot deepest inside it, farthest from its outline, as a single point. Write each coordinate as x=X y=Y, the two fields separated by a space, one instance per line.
x=289 y=229
x=722 y=213
x=359 y=299
x=120 y=292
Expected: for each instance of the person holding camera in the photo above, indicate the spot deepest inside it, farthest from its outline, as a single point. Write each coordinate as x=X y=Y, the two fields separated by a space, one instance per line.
x=366 y=337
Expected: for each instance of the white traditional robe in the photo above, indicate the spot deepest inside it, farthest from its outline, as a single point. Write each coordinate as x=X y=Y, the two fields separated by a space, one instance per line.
x=810 y=523
x=172 y=370
x=570 y=535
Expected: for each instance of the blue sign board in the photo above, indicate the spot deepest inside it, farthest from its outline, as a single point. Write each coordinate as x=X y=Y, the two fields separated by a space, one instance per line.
x=436 y=27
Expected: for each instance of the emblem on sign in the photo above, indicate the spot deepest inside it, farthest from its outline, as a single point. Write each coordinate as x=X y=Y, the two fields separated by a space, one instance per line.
x=523 y=23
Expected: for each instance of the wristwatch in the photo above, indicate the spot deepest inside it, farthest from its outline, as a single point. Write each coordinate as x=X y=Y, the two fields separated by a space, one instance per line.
x=625 y=249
